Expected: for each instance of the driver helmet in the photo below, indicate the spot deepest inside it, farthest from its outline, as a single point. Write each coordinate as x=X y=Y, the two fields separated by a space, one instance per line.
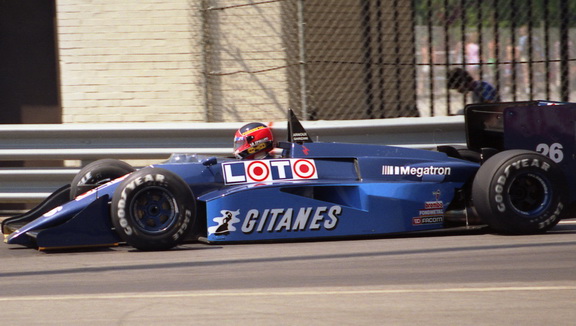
x=253 y=141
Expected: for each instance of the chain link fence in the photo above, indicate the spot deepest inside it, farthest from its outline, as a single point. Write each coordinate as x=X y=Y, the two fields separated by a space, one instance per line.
x=369 y=59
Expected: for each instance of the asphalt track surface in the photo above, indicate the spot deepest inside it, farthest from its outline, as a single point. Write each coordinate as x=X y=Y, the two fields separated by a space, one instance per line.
x=448 y=279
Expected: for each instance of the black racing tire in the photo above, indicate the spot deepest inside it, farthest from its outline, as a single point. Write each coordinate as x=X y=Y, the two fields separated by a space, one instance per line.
x=153 y=209
x=520 y=192
x=98 y=173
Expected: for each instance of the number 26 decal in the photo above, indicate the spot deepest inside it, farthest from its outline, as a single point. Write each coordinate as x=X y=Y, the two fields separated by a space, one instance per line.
x=554 y=151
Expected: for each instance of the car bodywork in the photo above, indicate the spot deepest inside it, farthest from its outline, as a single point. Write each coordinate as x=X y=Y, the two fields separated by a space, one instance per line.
x=314 y=190
x=546 y=127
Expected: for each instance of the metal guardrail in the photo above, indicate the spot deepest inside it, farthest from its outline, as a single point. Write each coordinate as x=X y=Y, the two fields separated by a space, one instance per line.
x=157 y=141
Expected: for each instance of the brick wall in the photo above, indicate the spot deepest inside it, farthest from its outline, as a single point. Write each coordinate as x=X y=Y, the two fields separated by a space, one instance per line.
x=142 y=60
x=246 y=57
x=130 y=60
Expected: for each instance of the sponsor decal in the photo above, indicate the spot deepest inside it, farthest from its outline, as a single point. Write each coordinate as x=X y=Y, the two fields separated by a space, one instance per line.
x=300 y=136
x=433 y=212
x=225 y=222
x=258 y=146
x=277 y=220
x=253 y=130
x=427 y=220
x=417 y=171
x=268 y=170
x=53 y=211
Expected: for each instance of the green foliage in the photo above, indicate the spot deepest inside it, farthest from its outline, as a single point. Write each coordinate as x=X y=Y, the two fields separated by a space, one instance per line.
x=505 y=13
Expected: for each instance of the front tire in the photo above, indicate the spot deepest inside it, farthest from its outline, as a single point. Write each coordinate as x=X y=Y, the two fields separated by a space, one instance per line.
x=153 y=209
x=96 y=174
x=520 y=192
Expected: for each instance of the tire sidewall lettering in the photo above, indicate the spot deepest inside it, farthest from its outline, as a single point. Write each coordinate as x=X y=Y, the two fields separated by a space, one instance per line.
x=514 y=169
x=504 y=177
x=84 y=180
x=147 y=180
x=558 y=210
x=96 y=174
x=184 y=226
x=129 y=191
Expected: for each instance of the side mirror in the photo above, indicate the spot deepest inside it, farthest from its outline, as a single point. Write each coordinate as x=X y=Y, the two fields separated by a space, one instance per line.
x=210 y=161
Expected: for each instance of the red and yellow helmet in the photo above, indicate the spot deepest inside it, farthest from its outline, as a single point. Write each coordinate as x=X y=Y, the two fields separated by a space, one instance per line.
x=253 y=141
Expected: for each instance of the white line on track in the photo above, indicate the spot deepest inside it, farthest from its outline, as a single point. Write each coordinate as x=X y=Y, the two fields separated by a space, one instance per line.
x=248 y=293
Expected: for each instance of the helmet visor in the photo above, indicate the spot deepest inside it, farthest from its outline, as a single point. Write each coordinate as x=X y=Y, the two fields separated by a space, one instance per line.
x=238 y=142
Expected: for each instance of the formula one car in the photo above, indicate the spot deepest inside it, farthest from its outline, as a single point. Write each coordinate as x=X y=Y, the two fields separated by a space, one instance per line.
x=313 y=190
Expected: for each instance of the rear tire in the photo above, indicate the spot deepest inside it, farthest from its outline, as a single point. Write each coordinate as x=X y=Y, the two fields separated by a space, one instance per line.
x=520 y=192
x=153 y=209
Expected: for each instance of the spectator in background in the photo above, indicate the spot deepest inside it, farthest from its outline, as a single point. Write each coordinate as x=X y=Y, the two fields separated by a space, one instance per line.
x=482 y=92
x=530 y=52
x=472 y=56
x=469 y=54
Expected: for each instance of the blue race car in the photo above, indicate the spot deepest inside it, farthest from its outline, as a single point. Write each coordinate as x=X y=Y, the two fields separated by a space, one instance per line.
x=313 y=190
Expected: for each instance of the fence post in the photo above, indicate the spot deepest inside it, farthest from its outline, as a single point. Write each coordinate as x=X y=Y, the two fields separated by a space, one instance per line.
x=564 y=51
